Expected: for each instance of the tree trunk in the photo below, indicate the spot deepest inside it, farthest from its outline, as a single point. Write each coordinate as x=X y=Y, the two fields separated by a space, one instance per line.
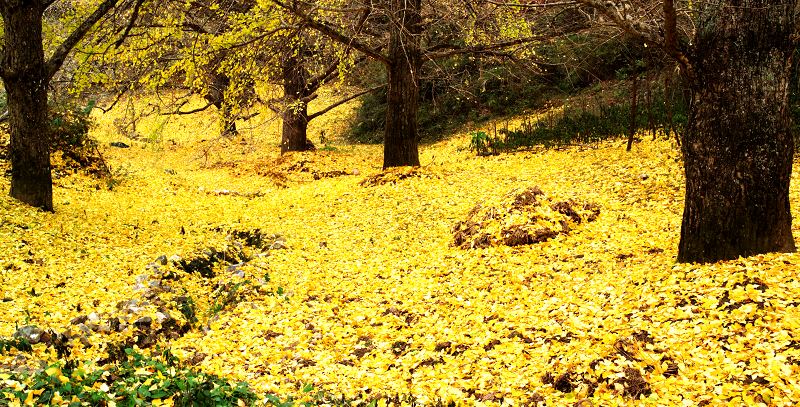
x=219 y=83
x=738 y=145
x=401 y=136
x=295 y=115
x=25 y=79
x=634 y=94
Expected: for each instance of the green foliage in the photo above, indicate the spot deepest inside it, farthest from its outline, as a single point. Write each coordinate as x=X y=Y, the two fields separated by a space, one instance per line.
x=188 y=309
x=584 y=125
x=227 y=294
x=70 y=124
x=137 y=380
x=7 y=344
x=481 y=143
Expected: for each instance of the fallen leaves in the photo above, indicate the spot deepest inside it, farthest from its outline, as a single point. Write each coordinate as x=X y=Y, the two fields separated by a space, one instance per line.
x=376 y=302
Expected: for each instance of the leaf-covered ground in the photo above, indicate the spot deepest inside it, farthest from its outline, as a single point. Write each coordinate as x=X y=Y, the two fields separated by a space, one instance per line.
x=366 y=295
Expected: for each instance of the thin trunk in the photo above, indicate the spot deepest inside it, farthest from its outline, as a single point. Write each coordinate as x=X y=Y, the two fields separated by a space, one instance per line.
x=668 y=107
x=738 y=146
x=295 y=91
x=649 y=96
x=25 y=80
x=401 y=137
x=218 y=85
x=632 y=130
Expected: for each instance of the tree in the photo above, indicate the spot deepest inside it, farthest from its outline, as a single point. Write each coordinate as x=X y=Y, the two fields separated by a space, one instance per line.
x=409 y=40
x=26 y=74
x=736 y=59
x=221 y=50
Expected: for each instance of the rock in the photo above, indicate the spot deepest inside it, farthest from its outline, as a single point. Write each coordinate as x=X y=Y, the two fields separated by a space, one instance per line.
x=163 y=317
x=130 y=306
x=114 y=324
x=162 y=260
x=67 y=334
x=85 y=341
x=119 y=144
x=79 y=320
x=30 y=333
x=143 y=323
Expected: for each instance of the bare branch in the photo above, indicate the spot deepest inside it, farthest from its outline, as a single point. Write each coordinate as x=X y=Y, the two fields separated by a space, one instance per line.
x=343 y=101
x=330 y=32
x=450 y=50
x=131 y=22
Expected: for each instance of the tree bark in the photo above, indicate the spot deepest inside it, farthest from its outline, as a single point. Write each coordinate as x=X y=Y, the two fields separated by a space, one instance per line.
x=401 y=135
x=738 y=145
x=25 y=77
x=296 y=92
x=634 y=94
x=218 y=85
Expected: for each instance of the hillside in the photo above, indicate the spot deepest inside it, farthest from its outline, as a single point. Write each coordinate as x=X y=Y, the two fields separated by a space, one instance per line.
x=351 y=282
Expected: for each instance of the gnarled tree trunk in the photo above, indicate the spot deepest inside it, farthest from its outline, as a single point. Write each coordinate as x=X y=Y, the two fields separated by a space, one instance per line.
x=25 y=78
x=295 y=115
x=738 y=146
x=401 y=136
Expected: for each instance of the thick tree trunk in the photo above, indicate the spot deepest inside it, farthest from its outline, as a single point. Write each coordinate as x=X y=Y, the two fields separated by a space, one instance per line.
x=401 y=136
x=738 y=146
x=295 y=115
x=25 y=79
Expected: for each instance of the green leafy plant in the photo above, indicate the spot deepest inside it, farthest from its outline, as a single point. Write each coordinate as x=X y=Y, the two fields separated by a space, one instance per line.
x=7 y=344
x=137 y=380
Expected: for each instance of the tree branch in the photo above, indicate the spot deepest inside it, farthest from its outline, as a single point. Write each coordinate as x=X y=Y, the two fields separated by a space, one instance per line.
x=60 y=54
x=434 y=53
x=625 y=25
x=330 y=32
x=671 y=39
x=131 y=22
x=343 y=101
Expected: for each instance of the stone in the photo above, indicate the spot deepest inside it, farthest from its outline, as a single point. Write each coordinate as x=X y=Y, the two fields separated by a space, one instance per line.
x=143 y=323
x=278 y=245
x=79 y=320
x=30 y=333
x=114 y=324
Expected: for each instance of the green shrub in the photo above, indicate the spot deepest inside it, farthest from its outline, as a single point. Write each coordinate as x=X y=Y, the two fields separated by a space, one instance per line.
x=580 y=126
x=137 y=380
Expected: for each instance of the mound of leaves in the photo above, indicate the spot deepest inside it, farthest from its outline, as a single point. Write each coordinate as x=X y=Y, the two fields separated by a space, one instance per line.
x=521 y=218
x=394 y=174
x=134 y=381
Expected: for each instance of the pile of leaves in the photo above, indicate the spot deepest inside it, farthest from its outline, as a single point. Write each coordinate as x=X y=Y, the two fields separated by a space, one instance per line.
x=394 y=174
x=521 y=218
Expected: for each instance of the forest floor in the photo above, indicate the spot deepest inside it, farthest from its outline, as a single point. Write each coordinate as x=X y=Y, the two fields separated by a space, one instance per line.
x=350 y=279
